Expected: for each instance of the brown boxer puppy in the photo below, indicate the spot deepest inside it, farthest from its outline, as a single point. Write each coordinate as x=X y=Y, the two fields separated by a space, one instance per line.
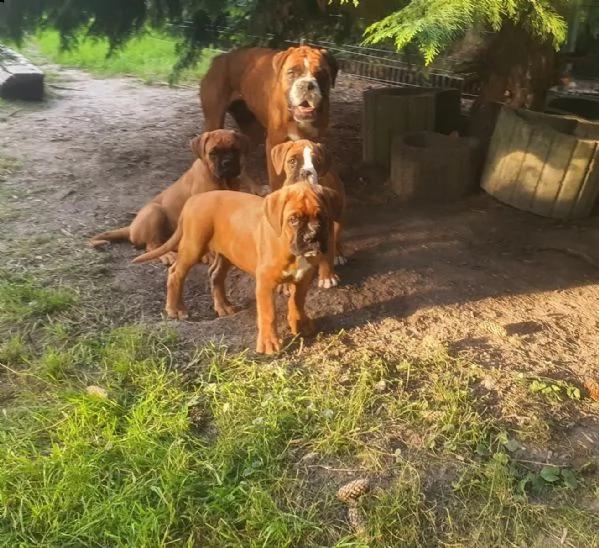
x=306 y=160
x=277 y=239
x=219 y=166
x=284 y=92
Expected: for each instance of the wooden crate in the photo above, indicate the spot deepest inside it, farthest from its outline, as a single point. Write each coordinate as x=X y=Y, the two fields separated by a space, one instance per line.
x=434 y=167
x=398 y=111
x=543 y=163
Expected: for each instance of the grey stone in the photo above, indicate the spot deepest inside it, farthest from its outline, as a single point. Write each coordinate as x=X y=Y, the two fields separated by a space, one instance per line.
x=19 y=79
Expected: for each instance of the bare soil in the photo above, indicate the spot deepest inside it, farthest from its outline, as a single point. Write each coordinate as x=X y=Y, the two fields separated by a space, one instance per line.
x=96 y=150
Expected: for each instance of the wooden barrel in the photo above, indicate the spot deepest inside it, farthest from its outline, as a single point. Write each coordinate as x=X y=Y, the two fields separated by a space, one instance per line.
x=543 y=163
x=433 y=167
x=398 y=111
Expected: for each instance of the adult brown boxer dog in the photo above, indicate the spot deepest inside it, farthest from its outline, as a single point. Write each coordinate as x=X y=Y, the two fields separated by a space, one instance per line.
x=306 y=160
x=285 y=92
x=277 y=239
x=219 y=166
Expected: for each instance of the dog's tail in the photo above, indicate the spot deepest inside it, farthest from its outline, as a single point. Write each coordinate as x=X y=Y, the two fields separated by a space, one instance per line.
x=116 y=235
x=170 y=245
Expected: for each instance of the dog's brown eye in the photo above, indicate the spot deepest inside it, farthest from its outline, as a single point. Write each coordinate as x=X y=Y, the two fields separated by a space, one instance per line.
x=292 y=162
x=294 y=220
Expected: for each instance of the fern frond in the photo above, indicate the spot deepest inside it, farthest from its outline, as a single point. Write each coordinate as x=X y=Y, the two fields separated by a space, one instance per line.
x=434 y=24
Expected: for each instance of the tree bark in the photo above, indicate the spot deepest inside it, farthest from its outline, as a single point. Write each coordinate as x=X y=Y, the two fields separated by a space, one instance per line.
x=516 y=70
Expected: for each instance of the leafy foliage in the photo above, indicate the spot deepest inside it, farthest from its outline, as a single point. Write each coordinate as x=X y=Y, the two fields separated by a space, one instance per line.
x=197 y=23
x=435 y=24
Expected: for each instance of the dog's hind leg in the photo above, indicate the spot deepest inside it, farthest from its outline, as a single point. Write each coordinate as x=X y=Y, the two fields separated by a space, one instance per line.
x=218 y=273
x=150 y=229
x=340 y=258
x=215 y=96
x=246 y=121
x=192 y=246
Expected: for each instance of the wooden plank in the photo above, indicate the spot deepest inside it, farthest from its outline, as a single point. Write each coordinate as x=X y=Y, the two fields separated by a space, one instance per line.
x=560 y=154
x=420 y=113
x=512 y=163
x=367 y=127
x=500 y=146
x=574 y=179
x=590 y=190
x=532 y=169
x=382 y=131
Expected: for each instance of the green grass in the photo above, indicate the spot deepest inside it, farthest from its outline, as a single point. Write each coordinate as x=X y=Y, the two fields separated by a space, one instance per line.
x=8 y=164
x=126 y=437
x=23 y=299
x=150 y=57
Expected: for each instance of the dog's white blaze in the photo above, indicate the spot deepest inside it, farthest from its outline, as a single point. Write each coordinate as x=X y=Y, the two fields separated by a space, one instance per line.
x=308 y=165
x=296 y=274
x=306 y=64
x=297 y=95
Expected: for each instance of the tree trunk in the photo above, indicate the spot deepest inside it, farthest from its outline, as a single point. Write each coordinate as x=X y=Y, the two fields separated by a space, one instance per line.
x=516 y=70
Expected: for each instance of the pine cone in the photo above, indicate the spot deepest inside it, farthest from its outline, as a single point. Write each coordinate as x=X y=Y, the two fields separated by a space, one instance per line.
x=353 y=490
x=593 y=388
x=494 y=328
x=97 y=391
x=356 y=521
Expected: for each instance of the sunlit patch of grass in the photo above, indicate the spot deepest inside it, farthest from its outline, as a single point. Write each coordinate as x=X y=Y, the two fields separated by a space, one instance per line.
x=150 y=57
x=23 y=299
x=494 y=505
x=123 y=436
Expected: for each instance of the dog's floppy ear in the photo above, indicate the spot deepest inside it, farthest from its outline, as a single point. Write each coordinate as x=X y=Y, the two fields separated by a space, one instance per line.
x=278 y=154
x=198 y=144
x=279 y=59
x=333 y=202
x=243 y=141
x=333 y=65
x=274 y=204
x=324 y=158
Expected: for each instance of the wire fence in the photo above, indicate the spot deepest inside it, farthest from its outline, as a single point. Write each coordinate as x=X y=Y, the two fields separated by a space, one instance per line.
x=391 y=68
x=381 y=65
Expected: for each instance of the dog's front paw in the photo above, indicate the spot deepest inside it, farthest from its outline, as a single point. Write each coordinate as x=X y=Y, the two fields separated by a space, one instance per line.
x=327 y=283
x=268 y=343
x=180 y=313
x=340 y=260
x=225 y=310
x=304 y=326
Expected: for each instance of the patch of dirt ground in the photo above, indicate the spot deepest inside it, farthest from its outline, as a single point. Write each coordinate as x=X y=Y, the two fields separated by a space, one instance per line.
x=97 y=150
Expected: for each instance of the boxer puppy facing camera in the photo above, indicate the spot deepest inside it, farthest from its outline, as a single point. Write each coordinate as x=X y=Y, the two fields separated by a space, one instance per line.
x=285 y=93
x=219 y=165
x=305 y=160
x=277 y=239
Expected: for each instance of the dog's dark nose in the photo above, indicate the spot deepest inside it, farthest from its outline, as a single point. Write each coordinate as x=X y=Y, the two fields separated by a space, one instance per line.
x=309 y=175
x=310 y=237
